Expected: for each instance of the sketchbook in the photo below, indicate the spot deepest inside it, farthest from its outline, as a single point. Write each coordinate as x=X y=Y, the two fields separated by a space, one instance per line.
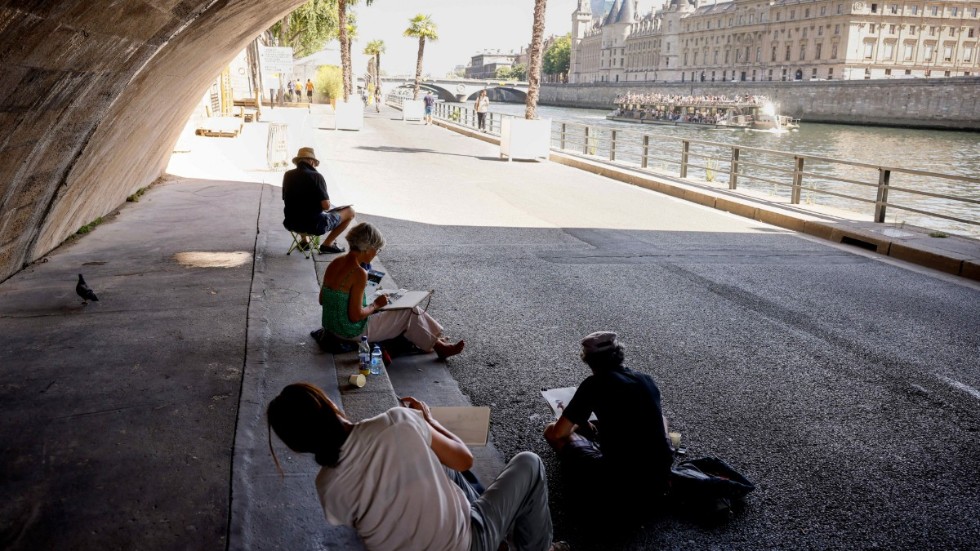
x=470 y=424
x=338 y=207
x=558 y=398
x=404 y=300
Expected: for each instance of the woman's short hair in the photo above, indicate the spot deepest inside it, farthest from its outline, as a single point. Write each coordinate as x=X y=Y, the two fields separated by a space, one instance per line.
x=602 y=351
x=307 y=422
x=364 y=237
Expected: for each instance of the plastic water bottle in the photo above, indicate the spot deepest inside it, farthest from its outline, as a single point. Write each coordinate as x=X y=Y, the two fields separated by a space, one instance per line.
x=364 y=355
x=376 y=360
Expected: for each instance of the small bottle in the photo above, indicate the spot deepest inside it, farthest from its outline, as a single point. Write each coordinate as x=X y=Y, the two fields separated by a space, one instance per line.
x=364 y=356
x=376 y=360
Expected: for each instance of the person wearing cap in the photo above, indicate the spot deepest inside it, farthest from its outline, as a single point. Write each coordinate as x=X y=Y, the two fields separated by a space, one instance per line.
x=307 y=204
x=626 y=453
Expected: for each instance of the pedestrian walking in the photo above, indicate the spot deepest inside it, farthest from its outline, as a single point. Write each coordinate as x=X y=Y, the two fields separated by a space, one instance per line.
x=482 y=107
x=309 y=90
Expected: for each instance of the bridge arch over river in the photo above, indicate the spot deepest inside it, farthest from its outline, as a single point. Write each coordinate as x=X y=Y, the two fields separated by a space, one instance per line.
x=460 y=89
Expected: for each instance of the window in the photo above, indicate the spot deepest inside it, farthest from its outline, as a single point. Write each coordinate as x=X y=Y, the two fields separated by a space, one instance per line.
x=915 y=10
x=908 y=71
x=770 y=74
x=932 y=31
x=874 y=8
x=909 y=51
x=726 y=55
x=889 y=50
x=837 y=29
x=912 y=30
x=814 y=73
x=823 y=10
x=778 y=15
x=787 y=52
x=830 y=74
x=948 y=53
x=724 y=76
x=888 y=72
x=973 y=12
x=969 y=33
x=967 y=53
x=928 y=52
x=955 y=12
x=893 y=8
x=802 y=52
x=816 y=54
x=784 y=73
x=820 y=30
x=952 y=31
x=773 y=54
x=871 y=28
x=804 y=32
x=869 y=50
x=833 y=51
x=840 y=9
x=758 y=54
x=807 y=13
x=891 y=29
x=935 y=10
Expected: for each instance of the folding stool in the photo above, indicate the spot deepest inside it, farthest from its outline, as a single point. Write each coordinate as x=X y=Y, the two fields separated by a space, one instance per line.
x=297 y=239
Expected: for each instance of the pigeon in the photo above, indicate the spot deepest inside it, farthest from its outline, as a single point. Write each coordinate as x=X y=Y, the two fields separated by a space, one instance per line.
x=84 y=291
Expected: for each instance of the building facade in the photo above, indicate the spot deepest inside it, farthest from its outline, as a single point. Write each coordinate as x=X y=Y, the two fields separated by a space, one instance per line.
x=485 y=65
x=758 y=40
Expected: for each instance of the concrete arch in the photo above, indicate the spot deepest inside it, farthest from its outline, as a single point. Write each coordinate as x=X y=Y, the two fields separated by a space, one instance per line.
x=93 y=100
x=440 y=92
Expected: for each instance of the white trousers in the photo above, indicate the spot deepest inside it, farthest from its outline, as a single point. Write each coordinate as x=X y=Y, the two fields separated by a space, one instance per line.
x=416 y=324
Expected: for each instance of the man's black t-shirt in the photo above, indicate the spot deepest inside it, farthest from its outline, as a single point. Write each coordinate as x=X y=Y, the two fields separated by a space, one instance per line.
x=631 y=427
x=303 y=191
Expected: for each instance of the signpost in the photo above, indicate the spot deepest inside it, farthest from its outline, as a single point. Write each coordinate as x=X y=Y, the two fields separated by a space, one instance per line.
x=277 y=66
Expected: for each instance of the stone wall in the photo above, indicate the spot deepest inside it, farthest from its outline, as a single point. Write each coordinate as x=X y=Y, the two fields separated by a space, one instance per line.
x=93 y=99
x=952 y=103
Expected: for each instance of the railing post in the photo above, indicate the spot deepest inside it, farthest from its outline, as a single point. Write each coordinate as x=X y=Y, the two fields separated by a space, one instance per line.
x=797 y=181
x=490 y=121
x=685 y=152
x=733 y=176
x=881 y=201
x=646 y=151
x=562 y=140
x=612 y=146
x=585 y=142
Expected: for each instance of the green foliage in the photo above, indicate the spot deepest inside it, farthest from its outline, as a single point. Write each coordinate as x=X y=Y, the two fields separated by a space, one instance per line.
x=89 y=227
x=135 y=198
x=939 y=234
x=422 y=26
x=558 y=57
x=329 y=82
x=308 y=28
x=503 y=73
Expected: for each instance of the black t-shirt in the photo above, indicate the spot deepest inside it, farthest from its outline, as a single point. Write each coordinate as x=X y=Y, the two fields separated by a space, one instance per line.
x=631 y=427
x=303 y=191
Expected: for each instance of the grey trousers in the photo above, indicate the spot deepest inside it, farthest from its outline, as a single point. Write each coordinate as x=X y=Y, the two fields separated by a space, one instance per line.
x=515 y=504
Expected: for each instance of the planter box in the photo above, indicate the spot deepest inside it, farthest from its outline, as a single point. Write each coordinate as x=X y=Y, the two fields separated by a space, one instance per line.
x=413 y=110
x=349 y=116
x=525 y=139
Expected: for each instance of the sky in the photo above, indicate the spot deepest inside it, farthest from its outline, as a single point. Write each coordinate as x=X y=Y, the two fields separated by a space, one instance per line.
x=465 y=28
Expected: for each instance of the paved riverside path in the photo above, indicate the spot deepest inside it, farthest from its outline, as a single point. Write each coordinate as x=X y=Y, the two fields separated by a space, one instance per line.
x=842 y=384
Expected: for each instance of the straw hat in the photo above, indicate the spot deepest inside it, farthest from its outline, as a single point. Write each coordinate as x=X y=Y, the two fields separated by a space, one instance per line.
x=305 y=153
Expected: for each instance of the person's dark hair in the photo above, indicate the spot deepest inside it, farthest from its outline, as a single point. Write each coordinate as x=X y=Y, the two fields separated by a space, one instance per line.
x=307 y=422
x=605 y=360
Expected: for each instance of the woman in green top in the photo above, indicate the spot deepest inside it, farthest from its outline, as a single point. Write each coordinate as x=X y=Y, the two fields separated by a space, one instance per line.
x=346 y=311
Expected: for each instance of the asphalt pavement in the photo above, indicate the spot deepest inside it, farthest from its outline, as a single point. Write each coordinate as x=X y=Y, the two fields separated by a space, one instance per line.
x=843 y=383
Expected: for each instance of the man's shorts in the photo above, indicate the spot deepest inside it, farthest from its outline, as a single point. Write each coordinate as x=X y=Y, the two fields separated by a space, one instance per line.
x=428 y=110
x=326 y=222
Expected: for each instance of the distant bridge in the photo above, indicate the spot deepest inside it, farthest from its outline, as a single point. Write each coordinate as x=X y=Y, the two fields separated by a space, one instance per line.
x=460 y=89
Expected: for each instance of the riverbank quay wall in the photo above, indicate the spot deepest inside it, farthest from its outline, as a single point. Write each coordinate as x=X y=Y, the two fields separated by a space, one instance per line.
x=92 y=101
x=941 y=103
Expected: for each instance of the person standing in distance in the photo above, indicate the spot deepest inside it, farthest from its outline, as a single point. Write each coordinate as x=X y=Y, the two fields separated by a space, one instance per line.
x=482 y=105
x=429 y=100
x=307 y=204
x=626 y=455
x=309 y=90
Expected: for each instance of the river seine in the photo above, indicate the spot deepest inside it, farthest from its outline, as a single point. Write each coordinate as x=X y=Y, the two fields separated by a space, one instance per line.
x=948 y=152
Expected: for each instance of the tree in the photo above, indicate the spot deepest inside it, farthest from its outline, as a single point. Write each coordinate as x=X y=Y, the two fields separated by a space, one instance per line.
x=518 y=72
x=503 y=73
x=345 y=42
x=534 y=65
x=307 y=29
x=558 y=57
x=421 y=27
x=376 y=48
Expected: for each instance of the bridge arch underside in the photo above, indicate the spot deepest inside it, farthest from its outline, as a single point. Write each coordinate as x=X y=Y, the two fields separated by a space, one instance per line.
x=502 y=94
x=92 y=101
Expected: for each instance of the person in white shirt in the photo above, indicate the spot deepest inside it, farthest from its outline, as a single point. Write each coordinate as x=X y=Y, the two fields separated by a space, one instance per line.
x=397 y=478
x=482 y=106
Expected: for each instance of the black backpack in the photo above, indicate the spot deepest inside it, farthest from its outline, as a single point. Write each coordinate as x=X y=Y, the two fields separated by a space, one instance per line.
x=708 y=487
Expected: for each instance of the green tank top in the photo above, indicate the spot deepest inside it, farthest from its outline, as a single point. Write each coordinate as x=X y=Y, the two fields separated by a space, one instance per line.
x=334 y=318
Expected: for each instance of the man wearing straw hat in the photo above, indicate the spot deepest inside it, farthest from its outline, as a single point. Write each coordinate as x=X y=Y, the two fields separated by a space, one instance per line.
x=307 y=206
x=626 y=453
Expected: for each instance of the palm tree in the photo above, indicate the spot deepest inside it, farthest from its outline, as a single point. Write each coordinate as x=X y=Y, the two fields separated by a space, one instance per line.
x=376 y=48
x=534 y=64
x=421 y=27
x=342 y=30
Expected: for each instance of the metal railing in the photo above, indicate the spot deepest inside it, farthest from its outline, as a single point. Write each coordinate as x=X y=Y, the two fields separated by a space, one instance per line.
x=930 y=199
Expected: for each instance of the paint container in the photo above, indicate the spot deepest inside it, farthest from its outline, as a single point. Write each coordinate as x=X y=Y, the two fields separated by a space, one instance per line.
x=357 y=380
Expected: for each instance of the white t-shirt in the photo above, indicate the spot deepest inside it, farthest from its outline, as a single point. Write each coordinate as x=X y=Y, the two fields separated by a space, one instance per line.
x=390 y=486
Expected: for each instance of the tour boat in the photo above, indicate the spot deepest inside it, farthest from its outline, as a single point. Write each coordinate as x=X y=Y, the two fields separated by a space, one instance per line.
x=748 y=112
